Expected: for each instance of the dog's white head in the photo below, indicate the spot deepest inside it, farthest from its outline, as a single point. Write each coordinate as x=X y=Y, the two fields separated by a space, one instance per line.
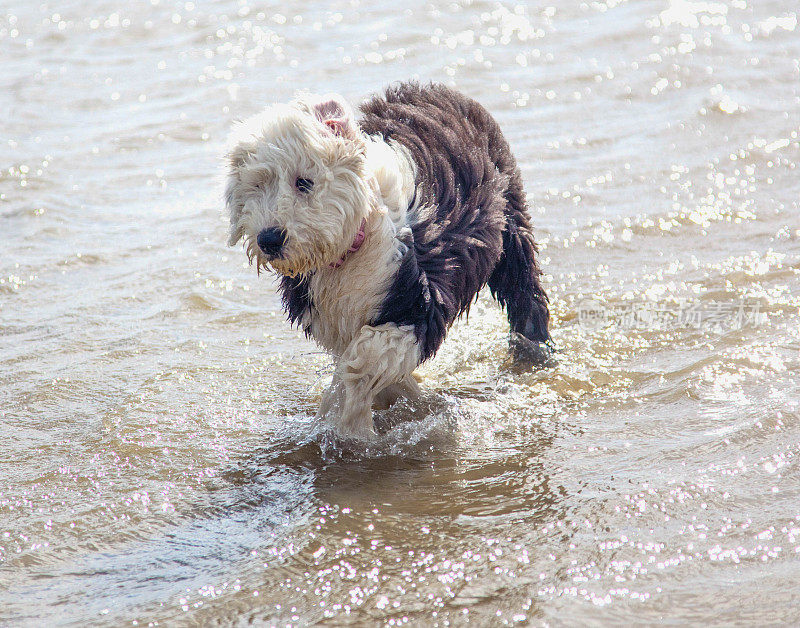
x=296 y=190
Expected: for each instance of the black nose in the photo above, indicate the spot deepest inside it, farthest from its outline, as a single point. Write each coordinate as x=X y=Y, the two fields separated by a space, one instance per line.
x=271 y=240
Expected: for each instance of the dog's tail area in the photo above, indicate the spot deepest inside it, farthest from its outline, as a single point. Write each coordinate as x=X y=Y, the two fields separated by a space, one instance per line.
x=516 y=280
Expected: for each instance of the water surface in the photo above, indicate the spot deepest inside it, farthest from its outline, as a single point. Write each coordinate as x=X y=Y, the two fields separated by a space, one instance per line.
x=158 y=457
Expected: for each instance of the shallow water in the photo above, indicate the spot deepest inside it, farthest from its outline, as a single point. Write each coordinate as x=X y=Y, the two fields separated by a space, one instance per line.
x=159 y=462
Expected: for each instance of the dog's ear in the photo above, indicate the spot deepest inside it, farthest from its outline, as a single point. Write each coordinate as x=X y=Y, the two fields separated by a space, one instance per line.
x=334 y=112
x=234 y=204
x=238 y=156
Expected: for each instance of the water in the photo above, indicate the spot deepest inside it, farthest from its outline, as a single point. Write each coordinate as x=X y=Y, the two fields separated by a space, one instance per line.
x=159 y=460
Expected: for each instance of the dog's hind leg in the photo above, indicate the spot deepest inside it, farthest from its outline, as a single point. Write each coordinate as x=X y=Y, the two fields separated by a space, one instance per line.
x=516 y=280
x=378 y=358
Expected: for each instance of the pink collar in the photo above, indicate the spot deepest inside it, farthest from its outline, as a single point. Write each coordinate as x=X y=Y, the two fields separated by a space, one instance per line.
x=357 y=242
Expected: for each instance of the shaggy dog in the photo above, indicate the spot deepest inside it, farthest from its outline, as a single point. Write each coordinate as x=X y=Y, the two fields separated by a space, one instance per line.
x=383 y=229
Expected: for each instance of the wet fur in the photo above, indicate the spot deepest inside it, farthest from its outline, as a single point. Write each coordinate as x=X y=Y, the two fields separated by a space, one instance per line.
x=430 y=172
x=470 y=225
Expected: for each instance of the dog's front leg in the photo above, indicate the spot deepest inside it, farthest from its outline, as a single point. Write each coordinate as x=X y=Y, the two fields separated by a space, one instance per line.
x=378 y=357
x=407 y=387
x=331 y=396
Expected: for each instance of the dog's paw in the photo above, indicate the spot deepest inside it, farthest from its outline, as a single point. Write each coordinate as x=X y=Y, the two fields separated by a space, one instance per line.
x=531 y=352
x=349 y=418
x=356 y=422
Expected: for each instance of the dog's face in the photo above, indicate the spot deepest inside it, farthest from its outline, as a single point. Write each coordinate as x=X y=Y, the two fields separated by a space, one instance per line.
x=296 y=189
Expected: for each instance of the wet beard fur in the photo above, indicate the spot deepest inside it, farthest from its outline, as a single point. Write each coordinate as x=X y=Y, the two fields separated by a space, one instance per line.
x=254 y=256
x=278 y=265
x=316 y=257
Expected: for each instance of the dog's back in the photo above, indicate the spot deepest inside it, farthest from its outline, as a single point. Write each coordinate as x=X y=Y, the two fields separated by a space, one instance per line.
x=469 y=223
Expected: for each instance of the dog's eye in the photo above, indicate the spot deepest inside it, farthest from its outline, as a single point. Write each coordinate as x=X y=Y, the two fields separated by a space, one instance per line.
x=303 y=185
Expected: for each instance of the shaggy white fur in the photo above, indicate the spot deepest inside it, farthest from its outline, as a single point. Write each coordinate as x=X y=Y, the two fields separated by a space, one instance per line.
x=385 y=230
x=269 y=152
x=347 y=178
x=379 y=360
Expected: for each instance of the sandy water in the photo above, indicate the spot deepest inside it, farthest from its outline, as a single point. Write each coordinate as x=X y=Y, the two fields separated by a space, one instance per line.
x=158 y=459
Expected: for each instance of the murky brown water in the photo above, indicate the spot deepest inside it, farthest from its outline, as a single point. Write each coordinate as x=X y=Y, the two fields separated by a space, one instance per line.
x=158 y=460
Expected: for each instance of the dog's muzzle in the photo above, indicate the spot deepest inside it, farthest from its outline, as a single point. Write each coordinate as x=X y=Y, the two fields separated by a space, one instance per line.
x=271 y=241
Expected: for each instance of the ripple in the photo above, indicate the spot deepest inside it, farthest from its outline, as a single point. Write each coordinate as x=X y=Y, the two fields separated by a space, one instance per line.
x=157 y=410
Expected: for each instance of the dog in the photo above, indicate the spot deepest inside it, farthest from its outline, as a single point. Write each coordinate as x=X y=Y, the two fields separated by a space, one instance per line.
x=383 y=229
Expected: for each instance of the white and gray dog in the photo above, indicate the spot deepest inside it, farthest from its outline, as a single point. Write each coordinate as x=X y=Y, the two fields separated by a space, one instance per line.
x=384 y=228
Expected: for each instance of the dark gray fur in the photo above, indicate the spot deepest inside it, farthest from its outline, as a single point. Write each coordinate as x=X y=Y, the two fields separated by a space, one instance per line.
x=471 y=226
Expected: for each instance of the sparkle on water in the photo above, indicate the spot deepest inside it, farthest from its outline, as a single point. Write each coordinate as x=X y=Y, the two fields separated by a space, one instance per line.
x=160 y=462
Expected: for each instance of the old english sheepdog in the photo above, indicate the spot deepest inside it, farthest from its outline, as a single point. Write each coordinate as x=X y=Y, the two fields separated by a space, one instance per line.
x=383 y=229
